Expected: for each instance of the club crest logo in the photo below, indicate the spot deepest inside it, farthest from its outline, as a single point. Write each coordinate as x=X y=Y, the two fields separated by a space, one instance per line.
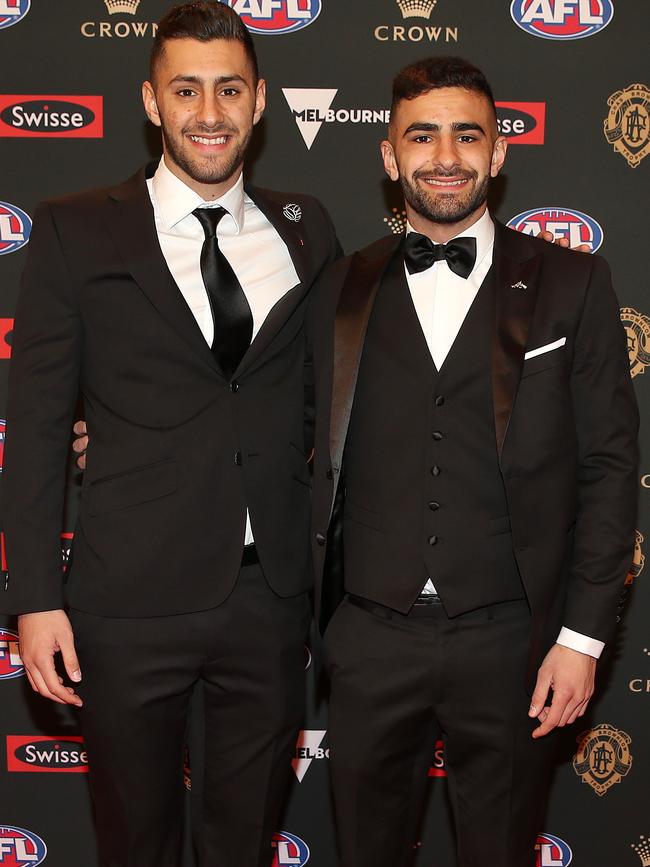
x=577 y=227
x=11 y=665
x=274 y=17
x=416 y=8
x=20 y=848
x=603 y=757
x=551 y=851
x=642 y=849
x=562 y=19
x=15 y=228
x=637 y=329
x=288 y=850
x=627 y=126
x=13 y=11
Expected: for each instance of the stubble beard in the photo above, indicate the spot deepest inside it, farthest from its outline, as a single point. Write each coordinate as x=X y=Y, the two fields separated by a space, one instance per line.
x=207 y=170
x=445 y=208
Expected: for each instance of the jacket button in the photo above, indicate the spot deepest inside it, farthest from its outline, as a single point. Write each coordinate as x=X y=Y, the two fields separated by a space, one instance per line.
x=440 y=400
x=234 y=386
x=435 y=471
x=437 y=435
x=329 y=472
x=320 y=539
x=238 y=459
x=434 y=506
x=433 y=540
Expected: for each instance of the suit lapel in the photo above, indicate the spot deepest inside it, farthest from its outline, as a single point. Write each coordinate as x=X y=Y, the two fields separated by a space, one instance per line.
x=131 y=224
x=517 y=276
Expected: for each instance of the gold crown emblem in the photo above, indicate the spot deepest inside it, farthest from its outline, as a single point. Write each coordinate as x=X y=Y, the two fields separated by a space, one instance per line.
x=130 y=7
x=416 y=8
x=642 y=849
x=396 y=223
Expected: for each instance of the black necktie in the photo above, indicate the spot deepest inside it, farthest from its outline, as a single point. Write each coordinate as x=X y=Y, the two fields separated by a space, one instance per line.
x=420 y=253
x=233 y=320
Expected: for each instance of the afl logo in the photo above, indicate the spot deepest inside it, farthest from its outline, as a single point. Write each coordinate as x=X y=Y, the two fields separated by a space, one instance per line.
x=577 y=227
x=11 y=665
x=20 y=848
x=273 y=17
x=552 y=852
x=562 y=19
x=289 y=850
x=15 y=227
x=11 y=11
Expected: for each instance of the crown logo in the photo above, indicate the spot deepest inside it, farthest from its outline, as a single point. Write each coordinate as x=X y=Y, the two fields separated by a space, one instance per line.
x=130 y=7
x=396 y=223
x=416 y=8
x=642 y=849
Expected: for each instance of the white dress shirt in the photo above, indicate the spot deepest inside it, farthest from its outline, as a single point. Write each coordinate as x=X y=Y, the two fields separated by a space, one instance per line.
x=442 y=300
x=258 y=255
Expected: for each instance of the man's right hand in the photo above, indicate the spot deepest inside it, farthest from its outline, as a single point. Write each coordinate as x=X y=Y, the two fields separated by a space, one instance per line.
x=41 y=635
x=80 y=443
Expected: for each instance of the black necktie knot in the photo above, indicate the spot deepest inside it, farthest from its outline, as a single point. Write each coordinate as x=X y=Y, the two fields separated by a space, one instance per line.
x=420 y=253
x=209 y=218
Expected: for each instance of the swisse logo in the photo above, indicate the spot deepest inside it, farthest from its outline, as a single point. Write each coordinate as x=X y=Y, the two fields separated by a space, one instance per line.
x=12 y=11
x=311 y=108
x=20 y=848
x=274 y=17
x=51 y=116
x=437 y=768
x=288 y=850
x=11 y=665
x=522 y=122
x=308 y=748
x=15 y=228
x=562 y=19
x=552 y=852
x=44 y=754
x=6 y=332
x=577 y=227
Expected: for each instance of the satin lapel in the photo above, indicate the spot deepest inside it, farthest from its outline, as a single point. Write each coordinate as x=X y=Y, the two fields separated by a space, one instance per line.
x=517 y=277
x=351 y=322
x=131 y=225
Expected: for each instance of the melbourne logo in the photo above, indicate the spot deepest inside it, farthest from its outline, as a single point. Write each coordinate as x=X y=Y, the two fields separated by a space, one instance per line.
x=410 y=32
x=562 y=19
x=15 y=227
x=311 y=108
x=552 y=852
x=51 y=116
x=11 y=665
x=46 y=754
x=642 y=849
x=627 y=126
x=20 y=848
x=289 y=850
x=637 y=329
x=12 y=11
x=118 y=29
x=272 y=17
x=308 y=748
x=579 y=228
x=522 y=122
x=603 y=757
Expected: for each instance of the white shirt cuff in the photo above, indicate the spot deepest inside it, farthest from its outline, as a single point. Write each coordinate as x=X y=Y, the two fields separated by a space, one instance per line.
x=582 y=643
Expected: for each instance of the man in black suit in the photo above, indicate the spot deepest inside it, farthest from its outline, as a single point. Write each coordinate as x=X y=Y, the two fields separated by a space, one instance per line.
x=174 y=303
x=475 y=412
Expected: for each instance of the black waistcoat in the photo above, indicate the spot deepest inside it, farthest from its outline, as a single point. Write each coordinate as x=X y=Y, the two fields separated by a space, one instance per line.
x=424 y=492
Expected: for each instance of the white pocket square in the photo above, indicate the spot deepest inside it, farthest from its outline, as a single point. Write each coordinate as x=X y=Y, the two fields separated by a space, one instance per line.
x=549 y=347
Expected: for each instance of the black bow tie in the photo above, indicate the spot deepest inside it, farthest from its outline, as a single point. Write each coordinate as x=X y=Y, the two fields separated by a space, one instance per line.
x=420 y=253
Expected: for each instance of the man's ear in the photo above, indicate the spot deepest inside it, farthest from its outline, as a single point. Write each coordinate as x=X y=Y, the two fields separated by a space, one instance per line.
x=498 y=155
x=150 y=104
x=390 y=163
x=260 y=100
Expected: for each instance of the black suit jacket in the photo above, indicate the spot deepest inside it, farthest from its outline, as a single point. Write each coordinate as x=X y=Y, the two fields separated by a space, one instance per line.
x=565 y=423
x=176 y=454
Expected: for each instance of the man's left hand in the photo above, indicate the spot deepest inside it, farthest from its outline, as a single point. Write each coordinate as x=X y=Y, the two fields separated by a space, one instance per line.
x=571 y=676
x=563 y=242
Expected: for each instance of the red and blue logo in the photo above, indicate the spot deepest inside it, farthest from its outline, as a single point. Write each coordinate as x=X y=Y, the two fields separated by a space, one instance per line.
x=20 y=848
x=577 y=227
x=289 y=850
x=11 y=11
x=562 y=19
x=550 y=851
x=274 y=17
x=15 y=227
x=11 y=665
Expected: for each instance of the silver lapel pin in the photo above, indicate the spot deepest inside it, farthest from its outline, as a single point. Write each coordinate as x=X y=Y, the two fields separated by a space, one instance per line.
x=519 y=285
x=292 y=212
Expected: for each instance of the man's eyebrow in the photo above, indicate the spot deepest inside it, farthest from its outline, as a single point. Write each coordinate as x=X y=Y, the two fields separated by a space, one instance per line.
x=460 y=126
x=195 y=79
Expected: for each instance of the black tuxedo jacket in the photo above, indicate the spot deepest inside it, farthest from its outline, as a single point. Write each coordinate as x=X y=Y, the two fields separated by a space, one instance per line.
x=565 y=423
x=177 y=452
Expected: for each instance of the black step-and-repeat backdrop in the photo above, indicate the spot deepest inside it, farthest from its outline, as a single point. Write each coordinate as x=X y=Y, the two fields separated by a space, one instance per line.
x=572 y=83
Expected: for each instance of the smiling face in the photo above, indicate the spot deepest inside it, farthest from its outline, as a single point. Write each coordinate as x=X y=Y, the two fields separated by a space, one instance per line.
x=443 y=147
x=205 y=98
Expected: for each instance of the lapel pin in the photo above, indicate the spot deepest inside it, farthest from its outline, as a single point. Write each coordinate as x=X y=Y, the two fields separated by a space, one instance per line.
x=292 y=212
x=519 y=285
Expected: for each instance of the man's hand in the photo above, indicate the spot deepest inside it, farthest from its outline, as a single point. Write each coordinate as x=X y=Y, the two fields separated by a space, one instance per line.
x=41 y=635
x=563 y=242
x=80 y=444
x=571 y=675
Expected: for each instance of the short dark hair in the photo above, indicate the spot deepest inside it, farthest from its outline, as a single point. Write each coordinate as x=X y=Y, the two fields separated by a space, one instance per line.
x=435 y=72
x=204 y=21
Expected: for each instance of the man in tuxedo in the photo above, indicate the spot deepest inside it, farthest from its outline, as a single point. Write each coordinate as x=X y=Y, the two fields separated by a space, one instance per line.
x=477 y=423
x=174 y=304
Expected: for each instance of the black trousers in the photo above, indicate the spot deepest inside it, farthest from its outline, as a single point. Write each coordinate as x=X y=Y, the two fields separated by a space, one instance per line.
x=397 y=684
x=138 y=679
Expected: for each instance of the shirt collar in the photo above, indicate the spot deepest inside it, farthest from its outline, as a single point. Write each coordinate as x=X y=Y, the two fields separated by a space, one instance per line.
x=175 y=200
x=482 y=230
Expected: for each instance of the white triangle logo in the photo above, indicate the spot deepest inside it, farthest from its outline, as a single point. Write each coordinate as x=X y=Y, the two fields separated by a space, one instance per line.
x=306 y=745
x=309 y=107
